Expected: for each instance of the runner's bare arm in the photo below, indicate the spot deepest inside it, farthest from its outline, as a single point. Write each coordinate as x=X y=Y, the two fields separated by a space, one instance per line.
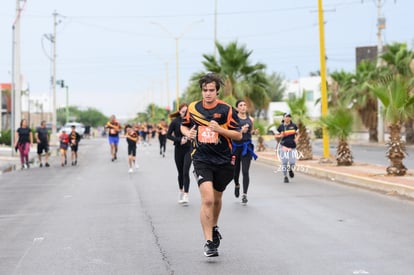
x=189 y=133
x=232 y=134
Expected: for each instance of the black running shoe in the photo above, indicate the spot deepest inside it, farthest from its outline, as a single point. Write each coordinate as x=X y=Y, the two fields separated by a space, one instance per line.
x=41 y=165
x=216 y=236
x=237 y=190
x=286 y=180
x=47 y=164
x=210 y=250
x=244 y=199
x=291 y=174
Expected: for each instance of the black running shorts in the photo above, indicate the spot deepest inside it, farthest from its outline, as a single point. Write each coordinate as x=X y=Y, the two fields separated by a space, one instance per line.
x=42 y=147
x=74 y=148
x=132 y=150
x=220 y=175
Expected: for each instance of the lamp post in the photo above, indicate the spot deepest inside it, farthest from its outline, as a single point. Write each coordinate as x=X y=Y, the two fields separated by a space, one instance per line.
x=53 y=139
x=16 y=77
x=67 y=103
x=166 y=78
x=177 y=39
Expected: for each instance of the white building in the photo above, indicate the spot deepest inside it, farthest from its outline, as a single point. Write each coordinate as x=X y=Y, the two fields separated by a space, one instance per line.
x=309 y=85
x=36 y=109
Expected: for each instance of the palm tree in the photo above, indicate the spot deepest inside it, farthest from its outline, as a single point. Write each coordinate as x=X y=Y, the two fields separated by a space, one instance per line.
x=299 y=110
x=396 y=95
x=339 y=125
x=233 y=65
x=341 y=81
x=241 y=80
x=399 y=60
x=363 y=99
x=254 y=91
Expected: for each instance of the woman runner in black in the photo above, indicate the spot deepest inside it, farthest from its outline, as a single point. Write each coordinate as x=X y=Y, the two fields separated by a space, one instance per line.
x=132 y=139
x=162 y=136
x=23 y=141
x=182 y=149
x=243 y=150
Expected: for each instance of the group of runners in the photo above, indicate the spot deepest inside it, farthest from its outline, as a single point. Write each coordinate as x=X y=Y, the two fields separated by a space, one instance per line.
x=215 y=138
x=24 y=141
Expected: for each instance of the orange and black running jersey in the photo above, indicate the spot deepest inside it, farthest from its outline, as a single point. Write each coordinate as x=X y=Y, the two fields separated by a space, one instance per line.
x=114 y=128
x=210 y=147
x=132 y=138
x=289 y=132
x=74 y=136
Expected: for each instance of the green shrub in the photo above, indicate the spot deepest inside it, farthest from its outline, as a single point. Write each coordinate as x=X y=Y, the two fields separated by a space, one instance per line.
x=5 y=137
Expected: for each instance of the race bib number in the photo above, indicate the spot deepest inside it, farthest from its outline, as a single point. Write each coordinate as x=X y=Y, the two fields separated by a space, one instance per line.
x=206 y=135
x=113 y=131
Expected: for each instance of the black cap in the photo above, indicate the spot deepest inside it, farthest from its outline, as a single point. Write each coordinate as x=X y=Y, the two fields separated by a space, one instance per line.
x=287 y=115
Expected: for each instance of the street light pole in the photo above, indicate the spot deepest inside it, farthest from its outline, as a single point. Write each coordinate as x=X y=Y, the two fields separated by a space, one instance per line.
x=53 y=138
x=16 y=75
x=167 y=86
x=67 y=103
x=177 y=78
x=177 y=38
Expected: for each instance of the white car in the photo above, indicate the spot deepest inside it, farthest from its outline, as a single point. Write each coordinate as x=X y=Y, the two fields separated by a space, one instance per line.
x=80 y=128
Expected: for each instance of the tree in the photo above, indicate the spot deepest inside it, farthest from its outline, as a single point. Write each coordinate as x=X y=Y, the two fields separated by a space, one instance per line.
x=339 y=124
x=362 y=99
x=276 y=87
x=396 y=95
x=241 y=79
x=233 y=65
x=90 y=116
x=254 y=91
x=153 y=114
x=341 y=82
x=399 y=60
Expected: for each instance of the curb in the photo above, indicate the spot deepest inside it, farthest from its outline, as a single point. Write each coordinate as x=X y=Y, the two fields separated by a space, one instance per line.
x=349 y=179
x=358 y=181
x=7 y=168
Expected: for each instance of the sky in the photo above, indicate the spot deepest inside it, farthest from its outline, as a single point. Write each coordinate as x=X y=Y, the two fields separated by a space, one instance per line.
x=118 y=56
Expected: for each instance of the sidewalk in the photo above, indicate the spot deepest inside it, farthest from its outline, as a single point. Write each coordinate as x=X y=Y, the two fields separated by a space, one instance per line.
x=9 y=162
x=369 y=176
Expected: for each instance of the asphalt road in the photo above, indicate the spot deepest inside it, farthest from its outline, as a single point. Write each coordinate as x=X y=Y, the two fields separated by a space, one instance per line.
x=96 y=218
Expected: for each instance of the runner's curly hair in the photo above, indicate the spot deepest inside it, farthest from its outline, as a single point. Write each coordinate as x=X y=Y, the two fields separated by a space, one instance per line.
x=209 y=78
